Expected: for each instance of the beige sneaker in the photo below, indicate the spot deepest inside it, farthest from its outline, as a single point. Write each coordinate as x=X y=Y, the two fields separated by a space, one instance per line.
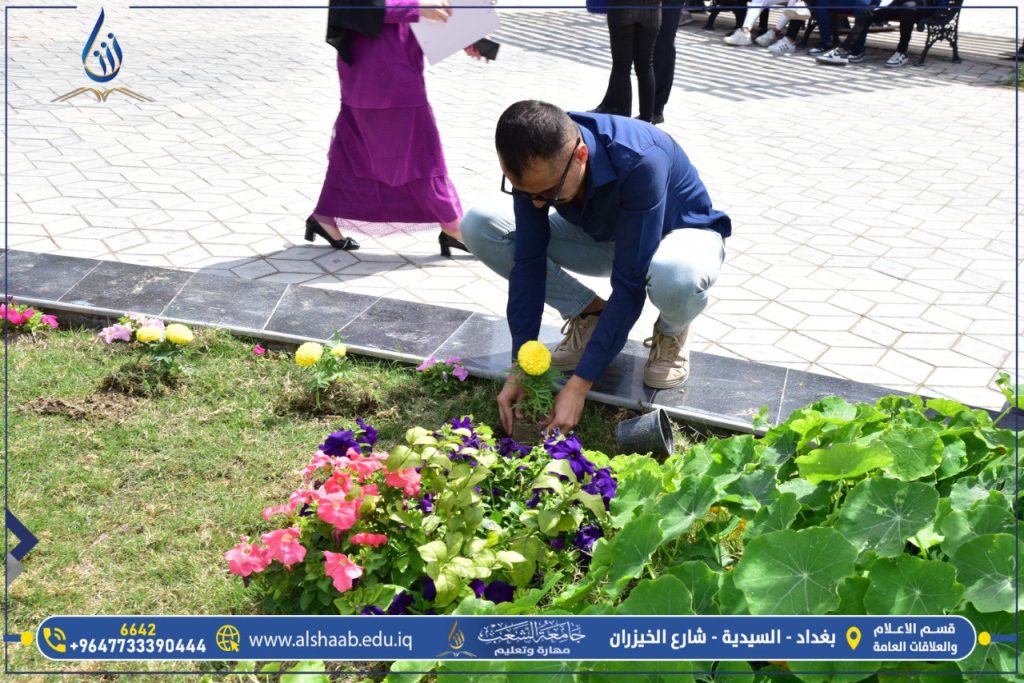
x=578 y=332
x=669 y=363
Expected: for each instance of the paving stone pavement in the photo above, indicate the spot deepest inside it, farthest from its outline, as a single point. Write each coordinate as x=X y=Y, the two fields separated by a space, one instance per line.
x=873 y=209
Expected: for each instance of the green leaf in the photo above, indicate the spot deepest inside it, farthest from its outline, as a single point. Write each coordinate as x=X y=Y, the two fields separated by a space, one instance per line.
x=681 y=509
x=633 y=547
x=799 y=668
x=665 y=595
x=985 y=566
x=966 y=492
x=701 y=582
x=882 y=514
x=548 y=521
x=733 y=672
x=730 y=599
x=924 y=672
x=851 y=595
x=954 y=459
x=294 y=675
x=476 y=671
x=997 y=657
x=402 y=458
x=448 y=586
x=794 y=572
x=636 y=491
x=399 y=672
x=990 y=516
x=776 y=516
x=912 y=585
x=945 y=407
x=435 y=552
x=540 y=671
x=1013 y=392
x=635 y=672
x=843 y=461
x=916 y=453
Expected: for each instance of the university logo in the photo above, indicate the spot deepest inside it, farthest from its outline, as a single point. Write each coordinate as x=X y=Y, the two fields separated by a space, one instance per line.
x=102 y=58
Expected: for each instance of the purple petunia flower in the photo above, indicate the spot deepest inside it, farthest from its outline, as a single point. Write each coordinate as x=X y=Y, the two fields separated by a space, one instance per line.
x=499 y=591
x=587 y=537
x=509 y=448
x=603 y=484
x=400 y=603
x=464 y=423
x=461 y=373
x=535 y=499
x=371 y=609
x=570 y=449
x=557 y=543
x=369 y=436
x=429 y=589
x=338 y=443
x=427 y=364
x=478 y=587
x=426 y=503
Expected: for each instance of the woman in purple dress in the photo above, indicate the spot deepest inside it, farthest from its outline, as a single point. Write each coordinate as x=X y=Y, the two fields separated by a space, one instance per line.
x=385 y=162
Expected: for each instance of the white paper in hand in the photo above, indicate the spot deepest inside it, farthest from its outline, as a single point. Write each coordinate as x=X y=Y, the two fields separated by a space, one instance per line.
x=468 y=23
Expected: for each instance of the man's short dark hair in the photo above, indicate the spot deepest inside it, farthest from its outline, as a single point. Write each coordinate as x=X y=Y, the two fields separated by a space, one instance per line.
x=531 y=130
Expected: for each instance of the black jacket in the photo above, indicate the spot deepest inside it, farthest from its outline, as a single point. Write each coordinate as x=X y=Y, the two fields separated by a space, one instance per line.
x=361 y=16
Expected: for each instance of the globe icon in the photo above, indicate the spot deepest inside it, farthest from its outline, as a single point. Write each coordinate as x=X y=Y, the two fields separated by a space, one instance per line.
x=228 y=638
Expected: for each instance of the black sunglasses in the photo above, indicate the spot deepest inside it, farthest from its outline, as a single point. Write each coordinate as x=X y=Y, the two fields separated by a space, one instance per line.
x=540 y=197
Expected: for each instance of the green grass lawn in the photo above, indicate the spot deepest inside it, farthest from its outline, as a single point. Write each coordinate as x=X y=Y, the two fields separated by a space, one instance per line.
x=135 y=500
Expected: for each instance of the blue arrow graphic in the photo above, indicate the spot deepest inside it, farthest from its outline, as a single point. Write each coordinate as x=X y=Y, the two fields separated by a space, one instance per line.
x=28 y=541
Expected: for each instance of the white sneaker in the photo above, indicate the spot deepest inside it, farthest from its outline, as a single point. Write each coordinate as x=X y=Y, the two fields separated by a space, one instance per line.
x=766 y=38
x=782 y=47
x=898 y=59
x=739 y=37
x=798 y=12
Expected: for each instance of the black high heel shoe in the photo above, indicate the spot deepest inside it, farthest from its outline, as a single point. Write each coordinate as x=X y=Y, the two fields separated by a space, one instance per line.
x=448 y=242
x=313 y=227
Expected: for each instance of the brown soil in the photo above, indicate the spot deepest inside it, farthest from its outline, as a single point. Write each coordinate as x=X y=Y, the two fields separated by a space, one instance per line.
x=352 y=399
x=100 y=407
x=137 y=379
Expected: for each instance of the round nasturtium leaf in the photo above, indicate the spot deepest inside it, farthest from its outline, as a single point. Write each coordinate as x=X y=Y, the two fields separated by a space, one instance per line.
x=916 y=453
x=985 y=566
x=882 y=514
x=912 y=585
x=991 y=516
x=794 y=572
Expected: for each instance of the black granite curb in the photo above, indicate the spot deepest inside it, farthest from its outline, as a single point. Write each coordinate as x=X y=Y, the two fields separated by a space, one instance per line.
x=721 y=392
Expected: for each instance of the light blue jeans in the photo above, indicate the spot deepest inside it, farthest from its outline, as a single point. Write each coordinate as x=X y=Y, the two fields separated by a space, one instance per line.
x=684 y=267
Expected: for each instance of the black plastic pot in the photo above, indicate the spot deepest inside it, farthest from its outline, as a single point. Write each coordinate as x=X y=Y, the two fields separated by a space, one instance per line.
x=650 y=433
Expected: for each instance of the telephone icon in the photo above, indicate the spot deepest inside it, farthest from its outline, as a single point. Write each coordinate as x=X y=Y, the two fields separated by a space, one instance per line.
x=58 y=635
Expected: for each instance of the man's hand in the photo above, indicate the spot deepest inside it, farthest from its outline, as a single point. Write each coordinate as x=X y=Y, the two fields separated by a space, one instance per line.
x=569 y=404
x=510 y=395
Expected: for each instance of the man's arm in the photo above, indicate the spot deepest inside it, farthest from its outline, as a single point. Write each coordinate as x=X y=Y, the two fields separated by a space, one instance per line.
x=641 y=221
x=526 y=282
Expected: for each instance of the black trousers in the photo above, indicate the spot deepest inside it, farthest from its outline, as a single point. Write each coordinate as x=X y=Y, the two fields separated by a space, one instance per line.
x=665 y=56
x=632 y=33
x=907 y=11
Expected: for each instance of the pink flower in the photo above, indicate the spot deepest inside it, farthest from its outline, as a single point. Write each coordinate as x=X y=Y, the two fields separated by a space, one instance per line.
x=116 y=332
x=259 y=350
x=340 y=482
x=334 y=509
x=285 y=509
x=362 y=465
x=16 y=318
x=454 y=360
x=371 y=490
x=319 y=460
x=341 y=569
x=364 y=538
x=143 y=321
x=50 y=320
x=407 y=480
x=460 y=372
x=283 y=546
x=427 y=364
x=246 y=558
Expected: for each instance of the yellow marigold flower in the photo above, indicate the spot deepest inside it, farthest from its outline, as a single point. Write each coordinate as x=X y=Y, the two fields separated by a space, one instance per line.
x=534 y=358
x=339 y=351
x=149 y=334
x=308 y=354
x=179 y=334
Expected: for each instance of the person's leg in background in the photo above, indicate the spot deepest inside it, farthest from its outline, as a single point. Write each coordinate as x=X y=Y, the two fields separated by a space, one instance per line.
x=665 y=58
x=622 y=32
x=643 y=59
x=786 y=45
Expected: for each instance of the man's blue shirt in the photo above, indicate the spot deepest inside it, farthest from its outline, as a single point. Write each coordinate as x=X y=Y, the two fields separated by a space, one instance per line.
x=639 y=187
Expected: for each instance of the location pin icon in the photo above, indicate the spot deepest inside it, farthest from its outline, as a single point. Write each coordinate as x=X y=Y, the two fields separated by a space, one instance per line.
x=853 y=637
